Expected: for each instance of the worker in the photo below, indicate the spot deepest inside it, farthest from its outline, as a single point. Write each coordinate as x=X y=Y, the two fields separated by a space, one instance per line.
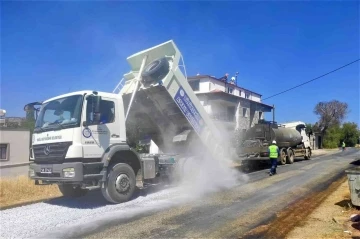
x=343 y=145
x=273 y=155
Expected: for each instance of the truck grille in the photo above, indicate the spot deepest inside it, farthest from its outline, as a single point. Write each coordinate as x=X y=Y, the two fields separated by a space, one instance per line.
x=51 y=153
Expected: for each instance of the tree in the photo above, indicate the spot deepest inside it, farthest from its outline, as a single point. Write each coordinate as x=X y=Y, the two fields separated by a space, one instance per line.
x=350 y=134
x=332 y=137
x=29 y=124
x=309 y=129
x=330 y=113
x=30 y=115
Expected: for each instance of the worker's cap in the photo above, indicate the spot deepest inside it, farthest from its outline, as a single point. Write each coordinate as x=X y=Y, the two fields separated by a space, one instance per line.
x=274 y=142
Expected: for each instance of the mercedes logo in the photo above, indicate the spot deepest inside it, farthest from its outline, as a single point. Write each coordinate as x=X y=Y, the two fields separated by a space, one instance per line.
x=47 y=150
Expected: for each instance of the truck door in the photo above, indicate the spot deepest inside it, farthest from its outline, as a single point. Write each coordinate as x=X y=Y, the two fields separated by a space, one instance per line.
x=98 y=136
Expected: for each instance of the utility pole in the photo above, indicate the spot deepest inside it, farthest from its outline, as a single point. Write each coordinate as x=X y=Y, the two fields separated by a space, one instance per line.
x=273 y=113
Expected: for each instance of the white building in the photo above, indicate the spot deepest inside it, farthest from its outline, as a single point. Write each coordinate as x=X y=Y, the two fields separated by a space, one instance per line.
x=233 y=107
x=2 y=117
x=14 y=152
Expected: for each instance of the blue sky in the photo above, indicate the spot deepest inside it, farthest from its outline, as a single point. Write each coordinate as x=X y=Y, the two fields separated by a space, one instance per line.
x=50 y=48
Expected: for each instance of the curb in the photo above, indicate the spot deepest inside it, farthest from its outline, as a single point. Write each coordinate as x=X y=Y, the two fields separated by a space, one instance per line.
x=26 y=203
x=14 y=165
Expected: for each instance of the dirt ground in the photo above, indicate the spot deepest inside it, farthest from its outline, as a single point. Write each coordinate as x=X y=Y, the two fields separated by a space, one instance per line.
x=331 y=219
x=318 y=152
x=323 y=214
x=21 y=191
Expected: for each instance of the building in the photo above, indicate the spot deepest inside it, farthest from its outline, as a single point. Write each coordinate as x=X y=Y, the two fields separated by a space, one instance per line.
x=231 y=106
x=316 y=139
x=2 y=117
x=14 y=151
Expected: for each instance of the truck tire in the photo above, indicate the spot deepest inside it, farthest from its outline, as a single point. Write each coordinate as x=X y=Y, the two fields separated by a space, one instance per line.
x=69 y=190
x=282 y=157
x=290 y=156
x=307 y=154
x=120 y=184
x=155 y=71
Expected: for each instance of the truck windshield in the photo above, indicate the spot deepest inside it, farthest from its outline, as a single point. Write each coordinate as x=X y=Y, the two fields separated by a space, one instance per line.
x=60 y=113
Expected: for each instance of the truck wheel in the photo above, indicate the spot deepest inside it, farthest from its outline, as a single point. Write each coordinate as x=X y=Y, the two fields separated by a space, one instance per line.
x=247 y=167
x=69 y=190
x=120 y=184
x=290 y=156
x=282 y=157
x=307 y=154
x=155 y=71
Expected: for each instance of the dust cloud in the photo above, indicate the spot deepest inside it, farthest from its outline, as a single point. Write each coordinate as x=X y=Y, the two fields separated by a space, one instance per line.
x=204 y=173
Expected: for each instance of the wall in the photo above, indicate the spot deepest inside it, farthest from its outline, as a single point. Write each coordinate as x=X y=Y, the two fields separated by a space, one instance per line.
x=219 y=109
x=209 y=84
x=243 y=114
x=18 y=142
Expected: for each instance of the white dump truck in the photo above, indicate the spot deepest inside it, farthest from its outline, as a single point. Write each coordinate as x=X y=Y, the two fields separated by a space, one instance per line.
x=81 y=139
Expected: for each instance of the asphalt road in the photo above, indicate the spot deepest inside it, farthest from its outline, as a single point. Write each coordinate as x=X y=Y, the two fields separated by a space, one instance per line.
x=233 y=212
x=173 y=213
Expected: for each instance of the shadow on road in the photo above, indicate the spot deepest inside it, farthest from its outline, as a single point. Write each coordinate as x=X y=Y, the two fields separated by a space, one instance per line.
x=94 y=199
x=356 y=162
x=258 y=166
x=344 y=203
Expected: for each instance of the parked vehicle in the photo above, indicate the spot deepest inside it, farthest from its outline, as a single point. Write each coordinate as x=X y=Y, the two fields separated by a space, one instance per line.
x=291 y=139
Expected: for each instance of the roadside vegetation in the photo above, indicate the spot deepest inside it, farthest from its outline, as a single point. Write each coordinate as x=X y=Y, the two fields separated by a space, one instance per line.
x=16 y=191
x=331 y=126
x=21 y=190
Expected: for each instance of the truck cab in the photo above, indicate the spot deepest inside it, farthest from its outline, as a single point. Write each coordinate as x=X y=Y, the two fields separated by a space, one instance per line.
x=75 y=137
x=78 y=125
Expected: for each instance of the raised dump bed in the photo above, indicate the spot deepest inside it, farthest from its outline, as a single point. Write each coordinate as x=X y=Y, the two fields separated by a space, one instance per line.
x=163 y=105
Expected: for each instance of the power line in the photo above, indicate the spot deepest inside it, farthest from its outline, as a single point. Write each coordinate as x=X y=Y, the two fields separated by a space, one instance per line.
x=312 y=79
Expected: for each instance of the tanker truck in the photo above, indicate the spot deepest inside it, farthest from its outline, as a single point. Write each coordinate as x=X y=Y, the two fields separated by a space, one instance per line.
x=82 y=140
x=291 y=139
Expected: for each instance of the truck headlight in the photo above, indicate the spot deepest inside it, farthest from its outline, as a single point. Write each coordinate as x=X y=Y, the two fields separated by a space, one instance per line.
x=69 y=172
x=31 y=172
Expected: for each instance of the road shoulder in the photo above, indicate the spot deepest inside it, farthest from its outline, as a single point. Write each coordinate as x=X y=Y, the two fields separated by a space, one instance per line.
x=331 y=219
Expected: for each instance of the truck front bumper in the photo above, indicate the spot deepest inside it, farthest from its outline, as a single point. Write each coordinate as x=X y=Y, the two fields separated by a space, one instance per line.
x=65 y=172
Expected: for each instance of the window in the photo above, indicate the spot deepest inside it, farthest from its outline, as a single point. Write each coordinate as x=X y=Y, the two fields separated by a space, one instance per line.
x=260 y=115
x=239 y=92
x=60 y=113
x=247 y=95
x=230 y=90
x=195 y=85
x=4 y=152
x=107 y=112
x=244 y=112
x=231 y=113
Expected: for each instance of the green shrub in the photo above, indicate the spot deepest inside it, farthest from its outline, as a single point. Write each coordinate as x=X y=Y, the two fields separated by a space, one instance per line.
x=332 y=138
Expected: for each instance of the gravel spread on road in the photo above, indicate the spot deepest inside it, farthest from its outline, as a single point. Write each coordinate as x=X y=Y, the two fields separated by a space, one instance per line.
x=32 y=220
x=168 y=209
